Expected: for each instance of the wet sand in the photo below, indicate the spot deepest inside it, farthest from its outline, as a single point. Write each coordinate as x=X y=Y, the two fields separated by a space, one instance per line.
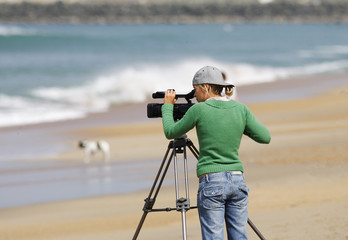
x=298 y=182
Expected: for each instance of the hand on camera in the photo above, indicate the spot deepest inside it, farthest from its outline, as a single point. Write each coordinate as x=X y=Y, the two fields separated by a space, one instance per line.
x=169 y=96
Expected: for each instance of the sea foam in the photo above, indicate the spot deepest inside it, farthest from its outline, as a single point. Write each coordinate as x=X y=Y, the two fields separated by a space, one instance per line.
x=8 y=30
x=134 y=84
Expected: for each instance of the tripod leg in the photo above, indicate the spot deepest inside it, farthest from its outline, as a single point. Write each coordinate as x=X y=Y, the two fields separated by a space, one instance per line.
x=182 y=204
x=258 y=233
x=142 y=220
x=193 y=149
x=150 y=201
x=183 y=220
x=183 y=211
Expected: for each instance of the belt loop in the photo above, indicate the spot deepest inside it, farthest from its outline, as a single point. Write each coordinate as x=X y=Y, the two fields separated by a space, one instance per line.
x=229 y=176
x=206 y=178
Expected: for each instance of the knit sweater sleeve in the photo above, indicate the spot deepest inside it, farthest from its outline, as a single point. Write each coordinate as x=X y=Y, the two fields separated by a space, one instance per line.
x=255 y=129
x=174 y=129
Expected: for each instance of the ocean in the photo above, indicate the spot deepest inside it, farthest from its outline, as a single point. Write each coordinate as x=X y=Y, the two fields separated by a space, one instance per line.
x=52 y=72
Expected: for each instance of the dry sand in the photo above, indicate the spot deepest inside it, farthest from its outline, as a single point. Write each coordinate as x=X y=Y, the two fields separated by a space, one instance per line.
x=298 y=182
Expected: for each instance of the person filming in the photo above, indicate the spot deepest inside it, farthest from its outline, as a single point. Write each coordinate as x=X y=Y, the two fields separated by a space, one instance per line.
x=220 y=124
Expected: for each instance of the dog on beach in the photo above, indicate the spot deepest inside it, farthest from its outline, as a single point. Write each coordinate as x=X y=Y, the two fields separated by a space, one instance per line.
x=91 y=147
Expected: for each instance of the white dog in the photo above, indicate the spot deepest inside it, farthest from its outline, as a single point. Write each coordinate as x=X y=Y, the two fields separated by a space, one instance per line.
x=91 y=147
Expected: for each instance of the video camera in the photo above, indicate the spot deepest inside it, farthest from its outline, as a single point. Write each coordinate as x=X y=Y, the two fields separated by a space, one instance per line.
x=154 y=109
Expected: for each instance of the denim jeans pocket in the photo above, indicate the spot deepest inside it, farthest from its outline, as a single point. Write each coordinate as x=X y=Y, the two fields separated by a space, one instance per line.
x=212 y=197
x=242 y=196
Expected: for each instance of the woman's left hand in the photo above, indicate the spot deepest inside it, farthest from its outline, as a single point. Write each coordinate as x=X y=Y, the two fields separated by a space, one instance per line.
x=169 y=96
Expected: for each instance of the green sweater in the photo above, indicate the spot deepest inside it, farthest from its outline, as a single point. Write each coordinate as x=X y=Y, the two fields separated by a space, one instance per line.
x=219 y=126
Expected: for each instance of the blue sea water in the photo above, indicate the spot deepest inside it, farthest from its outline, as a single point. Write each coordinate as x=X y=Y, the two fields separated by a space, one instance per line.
x=54 y=72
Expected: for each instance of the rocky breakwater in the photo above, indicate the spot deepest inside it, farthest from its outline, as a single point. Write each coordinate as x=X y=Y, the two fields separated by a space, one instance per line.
x=173 y=12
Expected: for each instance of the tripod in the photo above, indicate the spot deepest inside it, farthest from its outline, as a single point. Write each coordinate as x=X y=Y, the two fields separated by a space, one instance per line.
x=177 y=145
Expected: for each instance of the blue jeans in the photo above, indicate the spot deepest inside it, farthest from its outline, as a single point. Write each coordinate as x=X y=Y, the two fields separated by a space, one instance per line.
x=223 y=197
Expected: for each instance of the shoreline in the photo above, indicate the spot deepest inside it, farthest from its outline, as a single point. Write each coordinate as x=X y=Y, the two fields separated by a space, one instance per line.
x=299 y=87
x=55 y=138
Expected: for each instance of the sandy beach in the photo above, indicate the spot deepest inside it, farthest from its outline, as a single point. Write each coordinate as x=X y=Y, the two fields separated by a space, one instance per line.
x=298 y=183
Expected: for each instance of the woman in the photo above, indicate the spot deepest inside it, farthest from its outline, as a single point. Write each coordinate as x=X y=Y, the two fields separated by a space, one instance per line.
x=220 y=124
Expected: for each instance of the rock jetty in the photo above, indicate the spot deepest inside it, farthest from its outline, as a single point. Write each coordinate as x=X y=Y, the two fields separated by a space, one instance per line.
x=174 y=12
